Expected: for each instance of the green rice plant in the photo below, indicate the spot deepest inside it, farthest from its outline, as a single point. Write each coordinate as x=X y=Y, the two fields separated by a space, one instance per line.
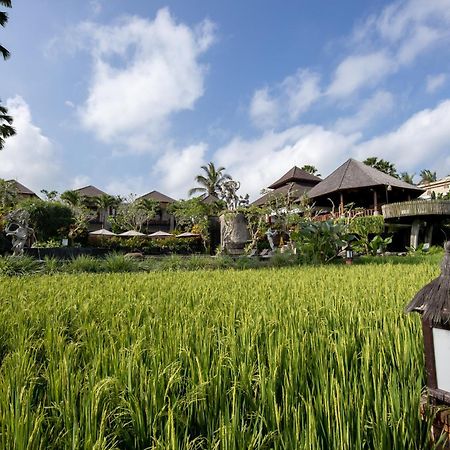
x=115 y=262
x=83 y=263
x=18 y=265
x=293 y=358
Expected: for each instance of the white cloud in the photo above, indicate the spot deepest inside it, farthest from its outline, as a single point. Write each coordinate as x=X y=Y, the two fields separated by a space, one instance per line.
x=435 y=82
x=263 y=109
x=29 y=156
x=379 y=104
x=143 y=73
x=421 y=141
x=358 y=71
x=176 y=169
x=302 y=90
x=257 y=163
x=285 y=101
x=80 y=181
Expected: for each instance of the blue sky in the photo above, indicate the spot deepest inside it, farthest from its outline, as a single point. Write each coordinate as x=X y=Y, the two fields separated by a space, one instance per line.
x=135 y=96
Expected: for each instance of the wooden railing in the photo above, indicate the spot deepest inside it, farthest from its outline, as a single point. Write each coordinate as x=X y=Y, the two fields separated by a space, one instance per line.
x=359 y=212
x=417 y=208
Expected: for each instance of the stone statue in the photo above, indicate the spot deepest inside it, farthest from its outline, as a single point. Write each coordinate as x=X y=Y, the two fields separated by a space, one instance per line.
x=270 y=234
x=234 y=233
x=19 y=230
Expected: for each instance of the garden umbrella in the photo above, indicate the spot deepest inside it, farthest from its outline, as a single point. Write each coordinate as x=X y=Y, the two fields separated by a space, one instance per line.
x=102 y=232
x=188 y=235
x=160 y=234
x=131 y=233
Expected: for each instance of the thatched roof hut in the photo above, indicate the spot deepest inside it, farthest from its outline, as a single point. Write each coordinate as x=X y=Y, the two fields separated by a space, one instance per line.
x=295 y=182
x=365 y=186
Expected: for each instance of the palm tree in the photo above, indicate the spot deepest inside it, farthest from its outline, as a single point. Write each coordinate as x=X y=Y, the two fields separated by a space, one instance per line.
x=382 y=165
x=427 y=176
x=310 y=169
x=407 y=178
x=104 y=204
x=3 y=19
x=6 y=130
x=72 y=198
x=211 y=181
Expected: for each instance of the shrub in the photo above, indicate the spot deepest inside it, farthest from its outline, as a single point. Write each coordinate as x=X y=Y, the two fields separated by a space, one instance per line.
x=119 y=263
x=18 y=265
x=83 y=263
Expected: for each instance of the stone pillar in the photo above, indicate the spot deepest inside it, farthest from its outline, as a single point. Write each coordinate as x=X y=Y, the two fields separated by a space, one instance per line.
x=415 y=229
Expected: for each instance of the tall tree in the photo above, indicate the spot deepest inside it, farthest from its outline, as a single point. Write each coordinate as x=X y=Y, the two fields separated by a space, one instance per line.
x=211 y=181
x=3 y=19
x=427 y=176
x=382 y=165
x=311 y=169
x=8 y=193
x=72 y=198
x=407 y=177
x=6 y=129
x=104 y=205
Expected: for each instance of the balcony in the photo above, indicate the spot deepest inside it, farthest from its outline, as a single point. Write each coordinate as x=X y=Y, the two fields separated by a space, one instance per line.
x=417 y=208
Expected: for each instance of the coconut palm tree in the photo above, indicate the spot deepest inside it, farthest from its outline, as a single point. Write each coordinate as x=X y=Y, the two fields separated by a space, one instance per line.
x=6 y=130
x=427 y=176
x=311 y=169
x=3 y=19
x=104 y=204
x=211 y=181
x=407 y=177
x=72 y=198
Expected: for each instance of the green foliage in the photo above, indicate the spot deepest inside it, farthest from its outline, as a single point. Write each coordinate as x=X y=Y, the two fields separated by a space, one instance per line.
x=13 y=265
x=51 y=243
x=8 y=194
x=320 y=242
x=211 y=181
x=298 y=358
x=132 y=215
x=49 y=219
x=115 y=262
x=382 y=165
x=83 y=263
x=363 y=228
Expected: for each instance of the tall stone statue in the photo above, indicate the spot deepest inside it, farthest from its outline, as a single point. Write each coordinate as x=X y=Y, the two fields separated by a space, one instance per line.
x=19 y=230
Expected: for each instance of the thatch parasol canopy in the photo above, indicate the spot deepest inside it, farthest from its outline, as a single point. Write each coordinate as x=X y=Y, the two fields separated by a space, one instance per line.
x=188 y=235
x=160 y=234
x=102 y=232
x=131 y=233
x=433 y=300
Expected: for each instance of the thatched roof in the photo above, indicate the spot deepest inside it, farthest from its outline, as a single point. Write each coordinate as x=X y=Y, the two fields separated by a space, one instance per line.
x=90 y=191
x=296 y=191
x=433 y=300
x=21 y=189
x=158 y=196
x=295 y=175
x=355 y=174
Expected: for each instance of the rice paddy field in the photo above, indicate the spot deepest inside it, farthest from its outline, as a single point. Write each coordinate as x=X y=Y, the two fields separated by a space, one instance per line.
x=293 y=358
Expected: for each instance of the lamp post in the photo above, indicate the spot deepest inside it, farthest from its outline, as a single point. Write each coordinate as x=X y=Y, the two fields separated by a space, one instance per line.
x=433 y=303
x=348 y=255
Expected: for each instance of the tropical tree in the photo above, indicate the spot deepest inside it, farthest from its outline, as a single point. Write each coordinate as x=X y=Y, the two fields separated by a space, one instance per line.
x=6 y=129
x=3 y=19
x=210 y=181
x=50 y=196
x=8 y=194
x=104 y=205
x=72 y=198
x=382 y=165
x=427 y=176
x=407 y=178
x=311 y=169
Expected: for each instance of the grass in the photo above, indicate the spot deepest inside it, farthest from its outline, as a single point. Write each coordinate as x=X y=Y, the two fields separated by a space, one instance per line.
x=292 y=358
